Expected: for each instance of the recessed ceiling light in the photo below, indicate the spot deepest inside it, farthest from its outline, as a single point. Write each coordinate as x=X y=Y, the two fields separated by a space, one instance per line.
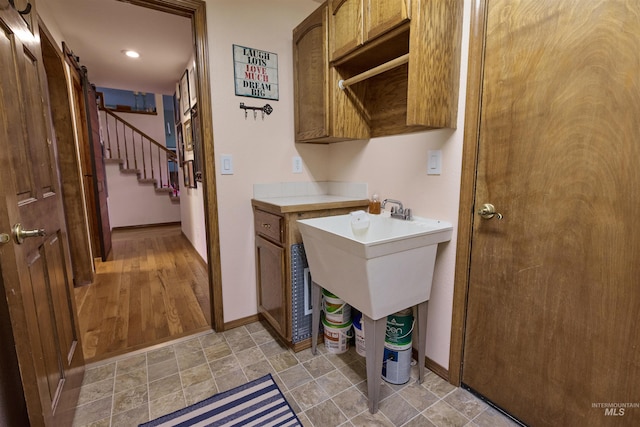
x=131 y=53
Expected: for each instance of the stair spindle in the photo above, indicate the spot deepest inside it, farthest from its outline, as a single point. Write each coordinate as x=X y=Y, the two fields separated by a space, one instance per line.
x=135 y=152
x=126 y=147
x=153 y=175
x=144 y=162
x=118 y=140
x=106 y=121
x=160 y=170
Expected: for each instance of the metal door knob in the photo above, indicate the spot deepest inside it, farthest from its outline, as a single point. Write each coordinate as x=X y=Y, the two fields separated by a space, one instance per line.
x=488 y=211
x=20 y=234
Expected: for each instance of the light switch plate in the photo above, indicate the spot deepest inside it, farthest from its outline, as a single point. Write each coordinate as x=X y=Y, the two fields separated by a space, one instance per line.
x=226 y=164
x=434 y=162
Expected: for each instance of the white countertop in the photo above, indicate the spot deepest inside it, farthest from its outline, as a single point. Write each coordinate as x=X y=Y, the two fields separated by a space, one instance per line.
x=305 y=200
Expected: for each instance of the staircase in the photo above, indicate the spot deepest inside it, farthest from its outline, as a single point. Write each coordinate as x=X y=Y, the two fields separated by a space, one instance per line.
x=138 y=154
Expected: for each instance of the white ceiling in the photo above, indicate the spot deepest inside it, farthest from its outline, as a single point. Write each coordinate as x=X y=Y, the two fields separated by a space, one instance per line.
x=98 y=30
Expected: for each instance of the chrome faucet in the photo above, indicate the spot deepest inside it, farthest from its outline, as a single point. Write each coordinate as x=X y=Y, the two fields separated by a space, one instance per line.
x=398 y=211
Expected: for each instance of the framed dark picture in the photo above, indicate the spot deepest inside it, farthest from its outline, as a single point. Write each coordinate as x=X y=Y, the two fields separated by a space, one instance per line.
x=185 y=98
x=187 y=170
x=193 y=97
x=176 y=107
x=179 y=142
x=187 y=173
x=188 y=136
x=197 y=143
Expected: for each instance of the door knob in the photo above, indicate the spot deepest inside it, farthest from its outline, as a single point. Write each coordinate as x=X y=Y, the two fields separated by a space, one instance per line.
x=488 y=211
x=20 y=233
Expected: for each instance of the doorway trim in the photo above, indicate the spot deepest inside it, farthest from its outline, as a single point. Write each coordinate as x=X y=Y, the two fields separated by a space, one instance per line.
x=196 y=11
x=470 y=147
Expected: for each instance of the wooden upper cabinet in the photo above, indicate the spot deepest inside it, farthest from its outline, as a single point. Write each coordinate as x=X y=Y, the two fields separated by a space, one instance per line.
x=346 y=26
x=398 y=60
x=382 y=16
x=318 y=115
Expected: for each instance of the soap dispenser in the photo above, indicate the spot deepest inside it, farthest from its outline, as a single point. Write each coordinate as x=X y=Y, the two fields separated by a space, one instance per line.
x=374 y=205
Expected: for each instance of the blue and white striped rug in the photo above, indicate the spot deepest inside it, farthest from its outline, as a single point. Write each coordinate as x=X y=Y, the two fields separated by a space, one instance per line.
x=257 y=403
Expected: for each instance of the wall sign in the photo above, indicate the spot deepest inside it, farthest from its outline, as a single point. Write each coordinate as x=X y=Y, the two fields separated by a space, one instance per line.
x=256 y=72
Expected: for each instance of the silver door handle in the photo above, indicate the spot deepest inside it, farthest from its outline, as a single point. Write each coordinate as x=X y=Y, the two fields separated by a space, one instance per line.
x=20 y=234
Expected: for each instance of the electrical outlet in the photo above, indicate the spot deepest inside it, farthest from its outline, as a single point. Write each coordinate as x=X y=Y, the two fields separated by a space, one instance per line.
x=297 y=164
x=226 y=164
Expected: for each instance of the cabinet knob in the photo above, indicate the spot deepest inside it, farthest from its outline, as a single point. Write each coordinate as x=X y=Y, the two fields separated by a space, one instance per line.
x=266 y=225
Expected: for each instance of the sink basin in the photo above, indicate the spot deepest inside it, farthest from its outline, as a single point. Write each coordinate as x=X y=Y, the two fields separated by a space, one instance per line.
x=385 y=269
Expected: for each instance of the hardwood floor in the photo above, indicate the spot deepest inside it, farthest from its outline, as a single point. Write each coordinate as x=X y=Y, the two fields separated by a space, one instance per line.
x=153 y=288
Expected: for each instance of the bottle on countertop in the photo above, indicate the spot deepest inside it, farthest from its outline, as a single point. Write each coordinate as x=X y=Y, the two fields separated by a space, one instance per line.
x=374 y=205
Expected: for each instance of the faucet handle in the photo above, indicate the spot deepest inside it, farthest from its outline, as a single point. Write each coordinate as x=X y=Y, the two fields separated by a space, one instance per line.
x=407 y=214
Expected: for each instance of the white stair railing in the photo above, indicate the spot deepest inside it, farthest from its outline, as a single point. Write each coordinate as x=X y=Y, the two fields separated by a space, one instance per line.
x=138 y=152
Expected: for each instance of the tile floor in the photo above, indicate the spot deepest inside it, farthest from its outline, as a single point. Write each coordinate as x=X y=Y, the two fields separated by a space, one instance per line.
x=325 y=390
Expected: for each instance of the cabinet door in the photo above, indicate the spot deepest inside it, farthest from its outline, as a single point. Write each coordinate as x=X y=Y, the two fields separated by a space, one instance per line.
x=322 y=112
x=310 y=66
x=383 y=15
x=270 y=270
x=434 y=67
x=345 y=28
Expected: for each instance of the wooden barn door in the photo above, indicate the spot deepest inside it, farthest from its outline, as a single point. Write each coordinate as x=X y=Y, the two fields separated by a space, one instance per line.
x=98 y=170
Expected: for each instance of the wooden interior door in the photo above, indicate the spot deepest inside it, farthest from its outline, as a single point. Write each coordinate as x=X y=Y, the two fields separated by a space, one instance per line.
x=37 y=308
x=553 y=300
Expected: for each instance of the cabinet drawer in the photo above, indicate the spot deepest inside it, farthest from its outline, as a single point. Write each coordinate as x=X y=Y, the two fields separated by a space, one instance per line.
x=269 y=225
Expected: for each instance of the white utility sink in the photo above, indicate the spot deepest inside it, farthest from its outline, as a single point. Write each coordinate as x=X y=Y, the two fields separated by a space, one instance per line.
x=380 y=271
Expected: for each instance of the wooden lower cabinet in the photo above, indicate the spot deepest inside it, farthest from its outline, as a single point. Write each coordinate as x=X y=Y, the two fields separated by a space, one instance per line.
x=276 y=231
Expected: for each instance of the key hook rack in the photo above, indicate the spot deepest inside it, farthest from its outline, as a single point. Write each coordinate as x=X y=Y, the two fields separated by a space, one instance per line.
x=267 y=109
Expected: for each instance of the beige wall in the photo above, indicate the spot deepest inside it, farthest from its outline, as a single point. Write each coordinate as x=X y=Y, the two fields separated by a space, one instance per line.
x=191 y=199
x=262 y=150
x=394 y=167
